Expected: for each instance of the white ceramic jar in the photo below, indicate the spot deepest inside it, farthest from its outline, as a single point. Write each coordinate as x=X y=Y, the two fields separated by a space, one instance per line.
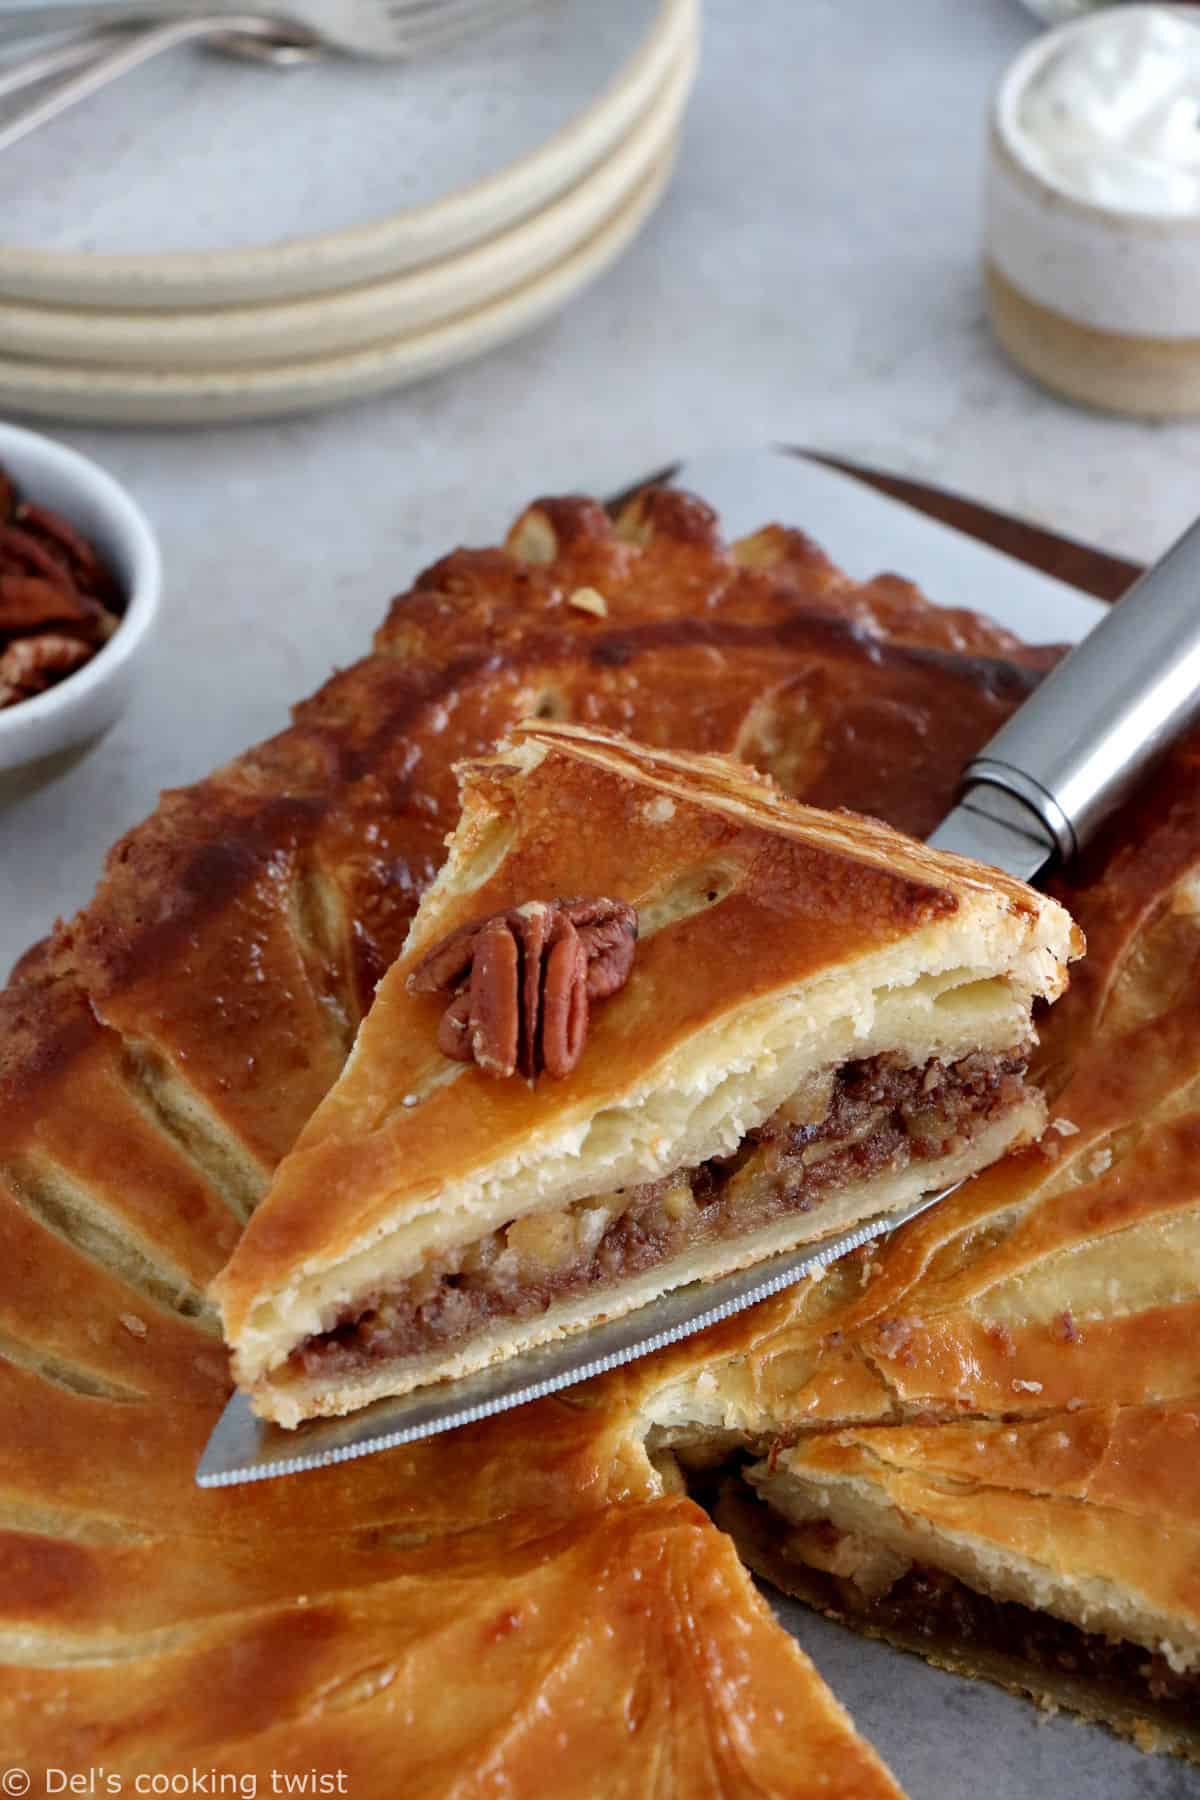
x=1092 y=240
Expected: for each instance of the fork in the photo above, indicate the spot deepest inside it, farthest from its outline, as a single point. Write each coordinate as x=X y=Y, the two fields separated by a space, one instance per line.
x=387 y=30
x=266 y=38
x=119 y=52
x=58 y=59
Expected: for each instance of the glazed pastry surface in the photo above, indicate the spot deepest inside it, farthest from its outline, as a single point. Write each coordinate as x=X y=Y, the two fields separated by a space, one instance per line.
x=162 y=1051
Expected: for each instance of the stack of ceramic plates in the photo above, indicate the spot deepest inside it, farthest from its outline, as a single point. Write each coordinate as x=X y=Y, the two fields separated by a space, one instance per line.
x=209 y=240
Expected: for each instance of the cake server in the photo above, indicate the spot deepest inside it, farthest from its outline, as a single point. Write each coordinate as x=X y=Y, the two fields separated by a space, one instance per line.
x=1035 y=793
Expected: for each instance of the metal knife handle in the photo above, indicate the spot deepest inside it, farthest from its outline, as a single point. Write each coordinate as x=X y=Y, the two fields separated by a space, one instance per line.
x=1081 y=741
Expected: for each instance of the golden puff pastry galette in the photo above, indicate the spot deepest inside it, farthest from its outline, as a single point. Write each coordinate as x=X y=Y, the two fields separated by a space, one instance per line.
x=653 y=1022
x=518 y=1605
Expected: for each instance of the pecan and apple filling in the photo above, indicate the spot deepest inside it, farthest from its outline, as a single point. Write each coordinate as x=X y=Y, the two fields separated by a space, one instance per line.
x=849 y=1124
x=931 y=1610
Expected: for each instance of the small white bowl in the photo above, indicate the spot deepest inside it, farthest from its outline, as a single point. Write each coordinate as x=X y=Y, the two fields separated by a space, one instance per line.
x=79 y=709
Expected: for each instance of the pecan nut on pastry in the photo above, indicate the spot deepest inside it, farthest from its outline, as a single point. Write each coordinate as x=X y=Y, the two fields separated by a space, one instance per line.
x=522 y=982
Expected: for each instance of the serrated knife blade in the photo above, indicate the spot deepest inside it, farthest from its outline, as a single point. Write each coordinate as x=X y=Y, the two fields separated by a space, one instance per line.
x=243 y=1448
x=1037 y=791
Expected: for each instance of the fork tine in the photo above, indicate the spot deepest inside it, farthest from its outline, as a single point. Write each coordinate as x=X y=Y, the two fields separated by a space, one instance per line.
x=452 y=18
x=432 y=11
x=422 y=30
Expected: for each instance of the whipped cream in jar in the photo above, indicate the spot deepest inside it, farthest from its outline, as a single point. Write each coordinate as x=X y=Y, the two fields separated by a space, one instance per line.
x=1093 y=210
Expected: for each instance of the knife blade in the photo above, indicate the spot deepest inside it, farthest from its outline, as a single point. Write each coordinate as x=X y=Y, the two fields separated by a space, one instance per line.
x=1036 y=792
x=243 y=1448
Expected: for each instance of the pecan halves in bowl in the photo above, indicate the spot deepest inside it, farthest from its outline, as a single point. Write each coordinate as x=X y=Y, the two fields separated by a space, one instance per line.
x=58 y=601
x=31 y=664
x=521 y=982
x=30 y=603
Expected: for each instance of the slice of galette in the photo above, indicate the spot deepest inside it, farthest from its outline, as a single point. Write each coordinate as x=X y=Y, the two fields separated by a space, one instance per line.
x=653 y=1022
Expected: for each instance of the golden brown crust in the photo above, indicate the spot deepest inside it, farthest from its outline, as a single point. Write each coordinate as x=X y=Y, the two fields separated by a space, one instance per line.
x=1065 y=1274
x=635 y=1632
x=1099 y=1497
x=166 y=1047
x=1022 y=1368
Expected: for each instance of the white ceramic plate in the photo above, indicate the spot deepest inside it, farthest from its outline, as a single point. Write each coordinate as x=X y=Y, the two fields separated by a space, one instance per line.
x=236 y=337
x=302 y=182
x=66 y=391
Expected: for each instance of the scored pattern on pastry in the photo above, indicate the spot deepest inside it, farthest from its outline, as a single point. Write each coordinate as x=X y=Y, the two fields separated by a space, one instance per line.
x=163 y=1049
